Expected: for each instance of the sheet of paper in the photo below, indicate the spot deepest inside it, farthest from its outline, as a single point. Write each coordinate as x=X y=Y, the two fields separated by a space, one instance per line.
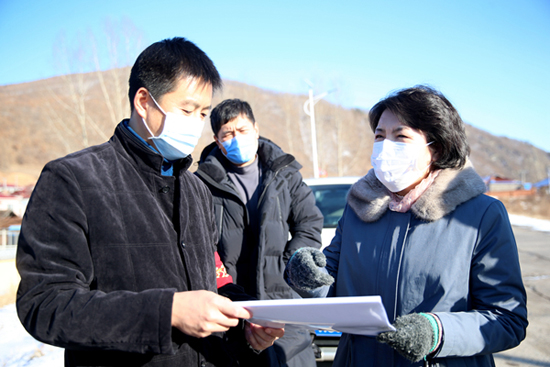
x=355 y=315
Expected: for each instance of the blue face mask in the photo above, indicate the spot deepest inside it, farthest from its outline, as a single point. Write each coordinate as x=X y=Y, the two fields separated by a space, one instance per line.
x=241 y=149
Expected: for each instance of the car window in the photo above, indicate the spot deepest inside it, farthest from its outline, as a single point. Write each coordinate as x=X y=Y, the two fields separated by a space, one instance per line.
x=331 y=200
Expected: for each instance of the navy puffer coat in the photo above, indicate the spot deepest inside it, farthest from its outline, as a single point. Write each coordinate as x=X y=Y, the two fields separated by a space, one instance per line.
x=453 y=253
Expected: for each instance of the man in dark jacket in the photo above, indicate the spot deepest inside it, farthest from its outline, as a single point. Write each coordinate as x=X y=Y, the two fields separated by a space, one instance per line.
x=117 y=246
x=264 y=212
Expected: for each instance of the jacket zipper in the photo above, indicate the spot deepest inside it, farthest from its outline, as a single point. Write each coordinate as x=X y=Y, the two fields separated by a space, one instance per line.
x=280 y=214
x=399 y=267
x=269 y=183
x=279 y=210
x=221 y=222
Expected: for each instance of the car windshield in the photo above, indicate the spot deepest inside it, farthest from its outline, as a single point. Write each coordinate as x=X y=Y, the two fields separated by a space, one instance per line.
x=331 y=200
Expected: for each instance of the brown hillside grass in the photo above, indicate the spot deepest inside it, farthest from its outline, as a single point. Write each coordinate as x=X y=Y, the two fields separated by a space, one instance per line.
x=22 y=176
x=47 y=119
x=535 y=206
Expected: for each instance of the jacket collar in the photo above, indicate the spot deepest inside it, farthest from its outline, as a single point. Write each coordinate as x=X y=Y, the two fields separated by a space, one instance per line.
x=142 y=156
x=369 y=198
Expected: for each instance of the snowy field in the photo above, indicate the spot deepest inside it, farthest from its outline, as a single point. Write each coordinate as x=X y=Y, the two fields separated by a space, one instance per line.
x=18 y=348
x=535 y=224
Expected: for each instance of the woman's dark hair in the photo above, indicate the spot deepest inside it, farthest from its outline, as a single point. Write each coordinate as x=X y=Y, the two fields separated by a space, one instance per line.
x=425 y=109
x=228 y=110
x=160 y=66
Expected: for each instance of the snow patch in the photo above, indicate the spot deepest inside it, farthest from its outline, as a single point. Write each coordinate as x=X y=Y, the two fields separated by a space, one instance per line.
x=18 y=348
x=540 y=225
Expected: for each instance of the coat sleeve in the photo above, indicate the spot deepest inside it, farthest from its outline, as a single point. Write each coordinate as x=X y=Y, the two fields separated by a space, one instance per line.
x=332 y=253
x=498 y=317
x=305 y=219
x=222 y=277
x=56 y=300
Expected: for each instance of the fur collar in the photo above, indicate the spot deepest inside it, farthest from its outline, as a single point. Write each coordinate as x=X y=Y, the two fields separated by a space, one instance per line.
x=369 y=199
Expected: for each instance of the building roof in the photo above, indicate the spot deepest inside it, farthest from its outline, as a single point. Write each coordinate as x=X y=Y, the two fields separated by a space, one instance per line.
x=542 y=183
x=8 y=218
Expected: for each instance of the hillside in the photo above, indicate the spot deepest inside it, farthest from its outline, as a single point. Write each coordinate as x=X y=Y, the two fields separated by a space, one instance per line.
x=50 y=118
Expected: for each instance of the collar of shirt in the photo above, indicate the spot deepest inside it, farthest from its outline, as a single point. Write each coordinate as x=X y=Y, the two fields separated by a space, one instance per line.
x=167 y=166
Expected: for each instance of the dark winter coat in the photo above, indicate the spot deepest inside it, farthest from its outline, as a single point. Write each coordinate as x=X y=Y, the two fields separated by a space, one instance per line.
x=105 y=242
x=286 y=207
x=453 y=254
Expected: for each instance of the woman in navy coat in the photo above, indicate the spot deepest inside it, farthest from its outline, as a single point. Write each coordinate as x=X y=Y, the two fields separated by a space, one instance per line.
x=419 y=231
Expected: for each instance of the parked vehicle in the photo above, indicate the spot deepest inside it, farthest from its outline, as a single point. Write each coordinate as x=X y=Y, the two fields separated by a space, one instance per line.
x=330 y=197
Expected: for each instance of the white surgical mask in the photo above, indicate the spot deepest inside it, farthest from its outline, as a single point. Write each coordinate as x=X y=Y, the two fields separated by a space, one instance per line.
x=396 y=164
x=179 y=136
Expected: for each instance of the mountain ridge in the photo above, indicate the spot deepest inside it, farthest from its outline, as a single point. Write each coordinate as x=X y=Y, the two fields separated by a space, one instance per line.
x=49 y=118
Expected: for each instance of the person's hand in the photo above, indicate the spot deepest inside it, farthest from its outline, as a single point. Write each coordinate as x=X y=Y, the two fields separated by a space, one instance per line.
x=304 y=269
x=259 y=337
x=201 y=313
x=415 y=336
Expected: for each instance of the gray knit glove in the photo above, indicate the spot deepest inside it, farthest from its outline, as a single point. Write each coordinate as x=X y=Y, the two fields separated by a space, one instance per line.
x=416 y=336
x=303 y=270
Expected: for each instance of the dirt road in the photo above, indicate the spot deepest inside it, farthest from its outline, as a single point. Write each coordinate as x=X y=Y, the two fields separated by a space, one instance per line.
x=534 y=253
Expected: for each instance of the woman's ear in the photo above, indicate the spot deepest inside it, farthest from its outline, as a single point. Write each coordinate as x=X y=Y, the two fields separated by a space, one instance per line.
x=435 y=148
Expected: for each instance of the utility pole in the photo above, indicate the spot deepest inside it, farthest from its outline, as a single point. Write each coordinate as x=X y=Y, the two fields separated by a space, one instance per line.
x=309 y=109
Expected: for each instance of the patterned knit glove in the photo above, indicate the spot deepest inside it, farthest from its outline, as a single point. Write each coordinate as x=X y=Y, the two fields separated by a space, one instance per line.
x=416 y=336
x=304 y=269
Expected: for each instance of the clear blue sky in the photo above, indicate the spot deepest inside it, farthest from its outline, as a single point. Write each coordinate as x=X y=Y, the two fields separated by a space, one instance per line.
x=491 y=58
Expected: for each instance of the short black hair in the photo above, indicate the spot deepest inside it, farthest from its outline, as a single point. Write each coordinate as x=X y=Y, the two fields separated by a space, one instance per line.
x=228 y=110
x=161 y=65
x=423 y=108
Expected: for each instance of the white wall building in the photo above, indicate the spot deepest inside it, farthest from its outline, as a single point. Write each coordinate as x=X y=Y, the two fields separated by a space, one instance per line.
x=15 y=203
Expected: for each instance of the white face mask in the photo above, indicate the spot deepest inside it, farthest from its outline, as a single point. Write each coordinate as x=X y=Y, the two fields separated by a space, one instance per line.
x=396 y=164
x=179 y=136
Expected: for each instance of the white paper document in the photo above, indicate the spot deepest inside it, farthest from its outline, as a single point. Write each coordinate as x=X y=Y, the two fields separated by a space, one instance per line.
x=355 y=315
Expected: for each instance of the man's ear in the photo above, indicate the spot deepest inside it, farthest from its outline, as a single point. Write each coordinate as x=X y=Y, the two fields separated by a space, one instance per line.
x=218 y=142
x=140 y=102
x=257 y=128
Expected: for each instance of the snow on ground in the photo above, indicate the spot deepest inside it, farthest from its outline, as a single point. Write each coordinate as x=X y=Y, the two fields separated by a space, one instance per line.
x=18 y=348
x=535 y=224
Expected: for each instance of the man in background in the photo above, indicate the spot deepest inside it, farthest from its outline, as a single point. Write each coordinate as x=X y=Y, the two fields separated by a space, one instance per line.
x=117 y=246
x=264 y=212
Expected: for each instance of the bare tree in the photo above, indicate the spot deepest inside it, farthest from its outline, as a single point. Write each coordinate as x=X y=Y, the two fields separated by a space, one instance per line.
x=123 y=41
x=74 y=92
x=291 y=116
x=85 y=64
x=55 y=122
